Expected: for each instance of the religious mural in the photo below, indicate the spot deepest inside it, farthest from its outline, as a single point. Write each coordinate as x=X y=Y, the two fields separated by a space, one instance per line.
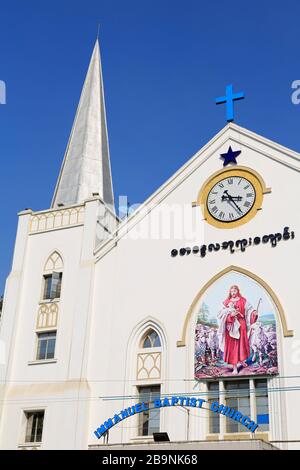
x=235 y=330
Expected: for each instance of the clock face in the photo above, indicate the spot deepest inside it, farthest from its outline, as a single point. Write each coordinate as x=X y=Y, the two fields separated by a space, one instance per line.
x=231 y=198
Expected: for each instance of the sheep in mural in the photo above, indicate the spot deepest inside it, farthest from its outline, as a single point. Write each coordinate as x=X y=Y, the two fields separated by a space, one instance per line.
x=213 y=343
x=201 y=344
x=258 y=342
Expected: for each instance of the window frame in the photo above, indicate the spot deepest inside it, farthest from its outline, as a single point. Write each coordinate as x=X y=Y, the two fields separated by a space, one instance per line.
x=146 y=336
x=237 y=395
x=26 y=413
x=258 y=394
x=223 y=395
x=143 y=413
x=46 y=276
x=213 y=395
x=38 y=334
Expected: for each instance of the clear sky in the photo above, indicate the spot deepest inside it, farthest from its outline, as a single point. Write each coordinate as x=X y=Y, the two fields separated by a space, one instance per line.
x=163 y=61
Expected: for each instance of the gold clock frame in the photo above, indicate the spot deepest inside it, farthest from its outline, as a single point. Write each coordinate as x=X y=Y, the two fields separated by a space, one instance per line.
x=244 y=172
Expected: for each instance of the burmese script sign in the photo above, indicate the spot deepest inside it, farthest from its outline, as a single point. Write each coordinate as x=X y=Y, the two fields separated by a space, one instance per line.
x=238 y=245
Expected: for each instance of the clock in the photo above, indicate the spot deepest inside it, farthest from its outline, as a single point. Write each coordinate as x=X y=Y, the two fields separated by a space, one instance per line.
x=232 y=197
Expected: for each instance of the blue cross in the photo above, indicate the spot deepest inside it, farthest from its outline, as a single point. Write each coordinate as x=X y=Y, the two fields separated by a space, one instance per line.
x=229 y=98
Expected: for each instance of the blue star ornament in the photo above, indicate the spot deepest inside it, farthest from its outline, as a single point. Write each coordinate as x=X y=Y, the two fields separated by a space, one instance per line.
x=230 y=156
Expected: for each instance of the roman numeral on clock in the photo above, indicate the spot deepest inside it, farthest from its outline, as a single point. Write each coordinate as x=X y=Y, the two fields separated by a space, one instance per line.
x=230 y=199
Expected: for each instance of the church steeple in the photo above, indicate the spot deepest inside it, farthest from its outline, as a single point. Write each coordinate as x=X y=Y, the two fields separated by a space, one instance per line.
x=86 y=166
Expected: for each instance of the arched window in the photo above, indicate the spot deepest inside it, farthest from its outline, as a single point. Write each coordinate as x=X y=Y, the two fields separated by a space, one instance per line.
x=148 y=372
x=149 y=356
x=236 y=309
x=52 y=278
x=54 y=262
x=151 y=340
x=46 y=325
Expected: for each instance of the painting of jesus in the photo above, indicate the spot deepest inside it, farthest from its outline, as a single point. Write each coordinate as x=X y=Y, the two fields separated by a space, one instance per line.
x=232 y=336
x=235 y=322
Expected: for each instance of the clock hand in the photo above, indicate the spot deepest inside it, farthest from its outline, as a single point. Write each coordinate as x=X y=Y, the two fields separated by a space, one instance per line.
x=232 y=200
x=235 y=198
x=235 y=206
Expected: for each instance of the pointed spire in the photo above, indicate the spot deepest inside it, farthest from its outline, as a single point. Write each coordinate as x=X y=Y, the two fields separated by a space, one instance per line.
x=86 y=166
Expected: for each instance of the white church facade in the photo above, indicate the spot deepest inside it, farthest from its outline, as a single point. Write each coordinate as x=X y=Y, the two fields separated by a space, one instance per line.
x=195 y=294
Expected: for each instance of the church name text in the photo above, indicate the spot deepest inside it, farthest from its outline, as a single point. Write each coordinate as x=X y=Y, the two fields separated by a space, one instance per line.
x=193 y=402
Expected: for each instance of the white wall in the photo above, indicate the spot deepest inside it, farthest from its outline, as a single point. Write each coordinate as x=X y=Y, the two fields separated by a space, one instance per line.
x=107 y=296
x=139 y=279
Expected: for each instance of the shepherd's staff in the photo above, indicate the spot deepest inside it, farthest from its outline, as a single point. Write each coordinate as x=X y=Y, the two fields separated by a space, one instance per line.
x=258 y=304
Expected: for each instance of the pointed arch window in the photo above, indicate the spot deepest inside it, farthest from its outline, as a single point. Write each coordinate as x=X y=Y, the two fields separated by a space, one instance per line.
x=151 y=340
x=53 y=272
x=149 y=356
x=149 y=360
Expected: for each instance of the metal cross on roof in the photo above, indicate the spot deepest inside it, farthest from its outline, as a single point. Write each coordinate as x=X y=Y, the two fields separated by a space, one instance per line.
x=229 y=99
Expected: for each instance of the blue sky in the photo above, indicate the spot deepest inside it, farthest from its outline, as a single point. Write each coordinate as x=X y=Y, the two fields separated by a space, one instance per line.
x=164 y=62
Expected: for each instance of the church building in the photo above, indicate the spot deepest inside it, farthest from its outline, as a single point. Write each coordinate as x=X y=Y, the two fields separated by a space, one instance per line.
x=178 y=320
